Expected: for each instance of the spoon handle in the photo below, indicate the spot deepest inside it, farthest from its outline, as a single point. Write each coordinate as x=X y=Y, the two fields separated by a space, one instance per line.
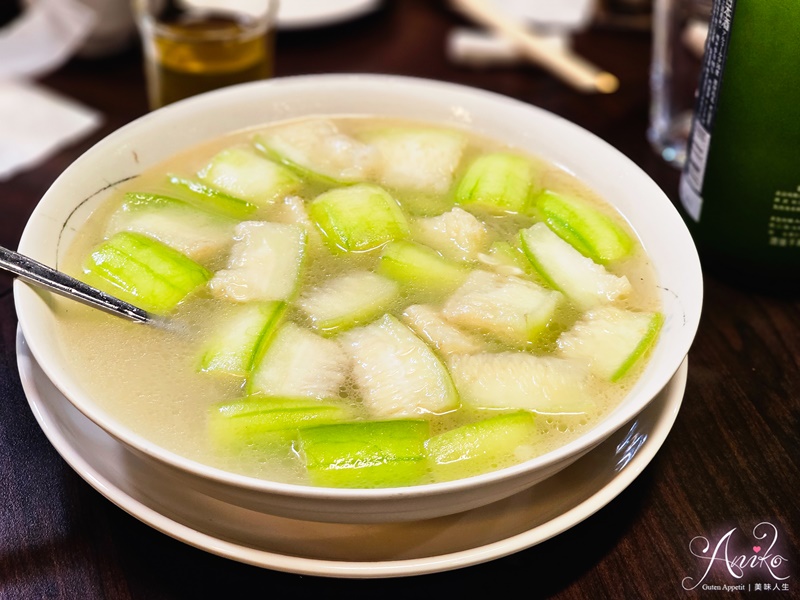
x=30 y=270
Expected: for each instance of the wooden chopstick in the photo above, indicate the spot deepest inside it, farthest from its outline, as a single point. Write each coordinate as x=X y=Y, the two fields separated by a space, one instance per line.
x=568 y=66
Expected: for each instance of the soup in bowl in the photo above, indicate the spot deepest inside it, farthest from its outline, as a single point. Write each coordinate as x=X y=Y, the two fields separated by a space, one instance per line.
x=386 y=298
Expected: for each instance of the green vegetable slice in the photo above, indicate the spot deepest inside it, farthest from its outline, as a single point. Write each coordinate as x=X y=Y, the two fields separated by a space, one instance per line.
x=481 y=446
x=419 y=268
x=358 y=218
x=499 y=183
x=258 y=419
x=588 y=230
x=197 y=233
x=611 y=340
x=366 y=454
x=243 y=173
x=299 y=363
x=212 y=199
x=239 y=337
x=346 y=301
x=586 y=283
x=505 y=259
x=144 y=272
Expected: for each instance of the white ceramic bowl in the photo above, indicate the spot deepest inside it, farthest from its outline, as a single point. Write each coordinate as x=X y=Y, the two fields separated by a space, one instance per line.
x=149 y=140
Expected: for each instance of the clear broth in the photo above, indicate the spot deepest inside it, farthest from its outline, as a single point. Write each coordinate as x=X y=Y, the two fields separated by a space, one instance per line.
x=147 y=379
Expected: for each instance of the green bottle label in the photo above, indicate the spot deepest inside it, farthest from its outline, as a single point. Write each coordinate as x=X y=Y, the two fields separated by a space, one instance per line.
x=719 y=32
x=741 y=183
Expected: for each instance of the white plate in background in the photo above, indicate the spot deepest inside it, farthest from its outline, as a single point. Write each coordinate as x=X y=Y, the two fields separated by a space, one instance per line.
x=300 y=14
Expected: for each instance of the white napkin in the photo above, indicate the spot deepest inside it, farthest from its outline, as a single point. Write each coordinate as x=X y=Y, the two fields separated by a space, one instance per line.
x=36 y=122
x=553 y=21
x=562 y=14
x=478 y=49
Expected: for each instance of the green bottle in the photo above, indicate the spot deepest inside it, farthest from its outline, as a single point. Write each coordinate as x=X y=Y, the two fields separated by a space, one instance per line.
x=740 y=187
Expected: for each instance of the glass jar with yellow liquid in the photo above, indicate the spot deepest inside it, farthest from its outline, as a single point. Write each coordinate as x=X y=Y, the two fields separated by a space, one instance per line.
x=194 y=46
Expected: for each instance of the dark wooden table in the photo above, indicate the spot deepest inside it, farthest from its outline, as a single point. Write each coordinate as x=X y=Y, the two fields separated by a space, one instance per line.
x=730 y=462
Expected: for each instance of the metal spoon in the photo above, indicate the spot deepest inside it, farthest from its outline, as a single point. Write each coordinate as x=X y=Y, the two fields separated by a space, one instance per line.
x=30 y=270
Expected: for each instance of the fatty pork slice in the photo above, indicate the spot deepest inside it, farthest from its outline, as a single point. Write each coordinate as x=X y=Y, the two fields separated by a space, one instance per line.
x=520 y=380
x=510 y=308
x=457 y=234
x=264 y=263
x=299 y=364
x=397 y=374
x=317 y=148
x=419 y=160
x=428 y=323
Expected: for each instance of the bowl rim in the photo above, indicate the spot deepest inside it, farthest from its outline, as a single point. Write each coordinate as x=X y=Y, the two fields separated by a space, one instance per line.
x=573 y=449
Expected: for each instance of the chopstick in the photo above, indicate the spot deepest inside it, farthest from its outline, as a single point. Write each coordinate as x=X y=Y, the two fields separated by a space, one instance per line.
x=568 y=66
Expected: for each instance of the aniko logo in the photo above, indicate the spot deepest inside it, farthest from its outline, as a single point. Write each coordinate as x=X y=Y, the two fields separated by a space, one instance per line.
x=758 y=558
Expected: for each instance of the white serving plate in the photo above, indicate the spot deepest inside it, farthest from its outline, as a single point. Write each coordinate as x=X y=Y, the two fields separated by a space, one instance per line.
x=349 y=550
x=303 y=14
x=135 y=147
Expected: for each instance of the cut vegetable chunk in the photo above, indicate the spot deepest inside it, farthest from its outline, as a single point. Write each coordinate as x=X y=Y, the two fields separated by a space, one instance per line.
x=510 y=308
x=210 y=199
x=429 y=324
x=197 y=233
x=589 y=231
x=258 y=419
x=243 y=173
x=422 y=160
x=542 y=384
x=505 y=259
x=144 y=272
x=499 y=183
x=420 y=268
x=351 y=299
x=299 y=363
x=238 y=337
x=358 y=218
x=481 y=446
x=264 y=263
x=366 y=454
x=316 y=149
x=457 y=234
x=611 y=340
x=585 y=282
x=396 y=372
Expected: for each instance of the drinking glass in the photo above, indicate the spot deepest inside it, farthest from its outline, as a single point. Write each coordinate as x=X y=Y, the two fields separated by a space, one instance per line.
x=193 y=46
x=680 y=28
